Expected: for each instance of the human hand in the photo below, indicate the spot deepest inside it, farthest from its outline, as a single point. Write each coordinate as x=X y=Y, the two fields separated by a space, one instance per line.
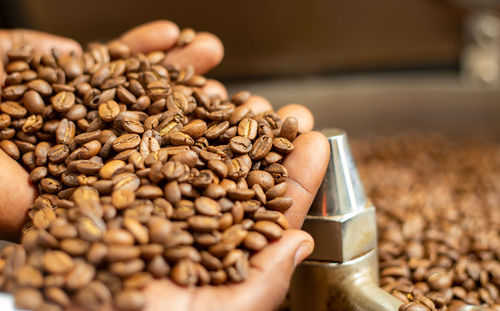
x=204 y=53
x=272 y=267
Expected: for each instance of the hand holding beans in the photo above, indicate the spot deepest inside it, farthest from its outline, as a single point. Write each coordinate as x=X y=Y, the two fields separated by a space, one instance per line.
x=145 y=165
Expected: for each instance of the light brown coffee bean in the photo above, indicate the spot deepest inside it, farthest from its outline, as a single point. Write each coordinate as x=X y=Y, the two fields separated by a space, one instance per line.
x=13 y=109
x=184 y=273
x=125 y=181
x=130 y=300
x=289 y=128
x=269 y=229
x=172 y=192
x=160 y=230
x=65 y=132
x=203 y=223
x=139 y=232
x=63 y=101
x=240 y=144
x=33 y=102
x=14 y=92
x=247 y=128
x=110 y=168
x=28 y=298
x=261 y=147
x=255 y=241
x=127 y=268
x=195 y=128
x=216 y=130
x=207 y=206
x=186 y=36
x=10 y=148
x=80 y=276
x=280 y=204
x=108 y=110
x=122 y=198
x=282 y=145
x=29 y=276
x=40 y=86
x=126 y=141
x=57 y=262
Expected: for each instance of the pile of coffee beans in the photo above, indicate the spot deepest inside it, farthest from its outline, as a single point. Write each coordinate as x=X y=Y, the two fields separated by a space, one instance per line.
x=438 y=209
x=141 y=174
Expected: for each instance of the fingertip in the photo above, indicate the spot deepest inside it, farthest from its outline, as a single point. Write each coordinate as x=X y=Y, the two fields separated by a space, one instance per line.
x=156 y=35
x=204 y=53
x=213 y=47
x=303 y=115
x=42 y=42
x=257 y=104
x=215 y=88
x=286 y=252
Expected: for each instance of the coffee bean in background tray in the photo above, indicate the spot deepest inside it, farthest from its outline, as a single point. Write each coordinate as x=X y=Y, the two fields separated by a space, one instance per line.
x=438 y=212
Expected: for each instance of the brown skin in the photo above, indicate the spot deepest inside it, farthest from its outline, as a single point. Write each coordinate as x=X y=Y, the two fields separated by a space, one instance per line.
x=271 y=268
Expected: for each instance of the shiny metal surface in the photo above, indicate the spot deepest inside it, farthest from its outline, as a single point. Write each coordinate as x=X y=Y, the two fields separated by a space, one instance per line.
x=321 y=286
x=341 y=191
x=341 y=220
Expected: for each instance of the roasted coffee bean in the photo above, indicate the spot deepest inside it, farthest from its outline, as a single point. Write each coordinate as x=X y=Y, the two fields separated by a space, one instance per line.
x=184 y=273
x=289 y=128
x=28 y=298
x=57 y=262
x=14 y=92
x=282 y=145
x=240 y=144
x=279 y=204
x=186 y=36
x=269 y=229
x=126 y=141
x=248 y=128
x=63 y=101
x=65 y=132
x=13 y=109
x=130 y=300
x=108 y=110
x=10 y=148
x=216 y=130
x=132 y=176
x=261 y=147
x=33 y=102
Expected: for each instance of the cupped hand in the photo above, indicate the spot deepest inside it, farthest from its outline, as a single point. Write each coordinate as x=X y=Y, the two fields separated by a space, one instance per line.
x=271 y=268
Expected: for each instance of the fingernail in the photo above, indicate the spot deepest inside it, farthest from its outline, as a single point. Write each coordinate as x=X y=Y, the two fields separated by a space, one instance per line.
x=305 y=249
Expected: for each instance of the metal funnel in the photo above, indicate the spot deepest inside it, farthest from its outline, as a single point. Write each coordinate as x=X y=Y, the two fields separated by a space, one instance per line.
x=341 y=219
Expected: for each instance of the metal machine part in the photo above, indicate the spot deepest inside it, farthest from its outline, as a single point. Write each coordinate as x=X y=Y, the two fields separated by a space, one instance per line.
x=342 y=272
x=341 y=219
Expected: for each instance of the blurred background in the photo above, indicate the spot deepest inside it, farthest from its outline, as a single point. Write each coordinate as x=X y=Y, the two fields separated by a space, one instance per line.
x=366 y=66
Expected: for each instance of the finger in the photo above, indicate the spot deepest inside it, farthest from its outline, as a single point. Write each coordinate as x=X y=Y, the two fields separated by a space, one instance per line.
x=215 y=88
x=165 y=295
x=257 y=104
x=157 y=35
x=268 y=280
x=204 y=53
x=17 y=195
x=42 y=42
x=303 y=115
x=306 y=167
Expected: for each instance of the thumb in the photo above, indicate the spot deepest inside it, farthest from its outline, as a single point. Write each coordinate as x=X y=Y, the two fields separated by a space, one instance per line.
x=277 y=263
x=270 y=275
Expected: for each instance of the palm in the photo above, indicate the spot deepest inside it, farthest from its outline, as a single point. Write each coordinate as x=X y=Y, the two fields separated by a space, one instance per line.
x=271 y=268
